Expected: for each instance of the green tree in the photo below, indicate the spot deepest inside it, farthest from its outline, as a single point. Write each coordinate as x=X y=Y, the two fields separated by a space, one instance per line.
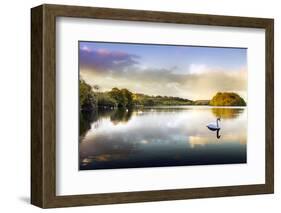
x=116 y=95
x=127 y=97
x=87 y=99
x=123 y=97
x=104 y=99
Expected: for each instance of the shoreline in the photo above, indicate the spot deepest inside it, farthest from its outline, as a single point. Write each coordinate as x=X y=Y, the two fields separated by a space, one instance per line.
x=197 y=106
x=173 y=107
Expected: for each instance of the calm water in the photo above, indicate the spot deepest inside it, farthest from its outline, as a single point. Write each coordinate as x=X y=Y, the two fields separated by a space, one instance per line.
x=162 y=136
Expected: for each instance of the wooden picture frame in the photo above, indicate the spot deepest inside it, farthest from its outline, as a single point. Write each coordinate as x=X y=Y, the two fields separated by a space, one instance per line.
x=43 y=105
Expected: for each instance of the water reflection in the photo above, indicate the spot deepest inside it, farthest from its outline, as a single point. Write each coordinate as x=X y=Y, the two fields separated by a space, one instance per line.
x=218 y=134
x=121 y=115
x=227 y=113
x=174 y=136
x=85 y=121
x=116 y=116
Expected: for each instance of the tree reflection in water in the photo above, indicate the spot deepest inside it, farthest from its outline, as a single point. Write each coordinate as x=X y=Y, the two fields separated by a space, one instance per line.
x=227 y=113
x=121 y=115
x=116 y=116
x=85 y=120
x=156 y=137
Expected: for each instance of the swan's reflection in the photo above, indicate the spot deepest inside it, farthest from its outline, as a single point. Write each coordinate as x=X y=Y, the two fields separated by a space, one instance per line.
x=218 y=134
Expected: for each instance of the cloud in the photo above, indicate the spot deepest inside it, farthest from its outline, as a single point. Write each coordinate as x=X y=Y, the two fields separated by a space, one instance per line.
x=167 y=83
x=105 y=60
x=197 y=68
x=110 y=69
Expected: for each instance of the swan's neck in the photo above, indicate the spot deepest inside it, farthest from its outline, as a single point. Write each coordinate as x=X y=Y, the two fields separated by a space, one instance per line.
x=218 y=123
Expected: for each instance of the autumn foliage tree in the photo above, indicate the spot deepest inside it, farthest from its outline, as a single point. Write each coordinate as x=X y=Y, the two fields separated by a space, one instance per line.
x=227 y=99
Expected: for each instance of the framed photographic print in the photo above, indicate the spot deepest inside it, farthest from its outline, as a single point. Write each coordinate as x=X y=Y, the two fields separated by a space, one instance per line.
x=137 y=106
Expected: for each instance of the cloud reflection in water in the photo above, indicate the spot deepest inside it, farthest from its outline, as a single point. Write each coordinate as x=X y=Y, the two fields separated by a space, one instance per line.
x=163 y=137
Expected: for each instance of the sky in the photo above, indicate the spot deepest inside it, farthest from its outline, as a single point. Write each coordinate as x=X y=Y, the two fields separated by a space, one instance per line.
x=192 y=72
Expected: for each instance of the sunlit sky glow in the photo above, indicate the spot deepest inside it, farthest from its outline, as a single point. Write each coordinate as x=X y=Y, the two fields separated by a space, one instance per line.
x=183 y=71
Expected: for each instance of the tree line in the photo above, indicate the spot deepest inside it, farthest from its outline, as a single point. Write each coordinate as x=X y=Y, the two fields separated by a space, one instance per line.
x=91 y=98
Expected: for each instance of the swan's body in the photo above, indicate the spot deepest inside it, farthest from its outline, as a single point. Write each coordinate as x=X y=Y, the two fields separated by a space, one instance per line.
x=214 y=126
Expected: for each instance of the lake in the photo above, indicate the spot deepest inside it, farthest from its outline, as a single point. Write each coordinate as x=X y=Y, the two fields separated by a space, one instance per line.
x=162 y=136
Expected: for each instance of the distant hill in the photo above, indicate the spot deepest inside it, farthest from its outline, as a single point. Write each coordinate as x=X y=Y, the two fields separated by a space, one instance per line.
x=201 y=102
x=147 y=100
x=227 y=99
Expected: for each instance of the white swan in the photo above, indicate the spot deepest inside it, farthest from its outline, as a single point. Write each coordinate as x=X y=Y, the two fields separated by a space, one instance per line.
x=214 y=126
